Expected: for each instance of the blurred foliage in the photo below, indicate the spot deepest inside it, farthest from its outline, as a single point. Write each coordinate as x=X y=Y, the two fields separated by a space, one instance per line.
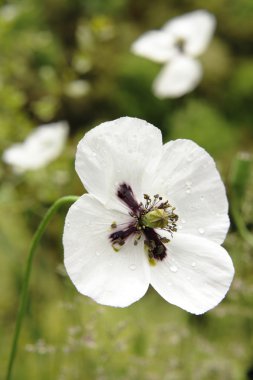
x=70 y=59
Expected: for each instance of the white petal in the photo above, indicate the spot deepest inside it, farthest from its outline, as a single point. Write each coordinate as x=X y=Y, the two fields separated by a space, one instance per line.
x=178 y=77
x=41 y=147
x=155 y=45
x=195 y=28
x=17 y=157
x=115 y=152
x=110 y=278
x=195 y=275
x=187 y=176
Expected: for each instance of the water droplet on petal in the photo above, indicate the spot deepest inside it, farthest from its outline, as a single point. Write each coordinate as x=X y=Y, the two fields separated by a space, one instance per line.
x=188 y=191
x=132 y=267
x=202 y=198
x=183 y=221
x=188 y=278
x=173 y=268
x=67 y=225
x=98 y=253
x=201 y=231
x=193 y=264
x=179 y=227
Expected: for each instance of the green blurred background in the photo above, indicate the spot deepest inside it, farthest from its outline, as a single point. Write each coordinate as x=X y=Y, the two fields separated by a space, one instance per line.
x=71 y=60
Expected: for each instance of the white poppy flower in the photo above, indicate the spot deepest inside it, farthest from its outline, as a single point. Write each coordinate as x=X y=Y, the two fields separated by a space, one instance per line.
x=155 y=214
x=41 y=147
x=177 y=44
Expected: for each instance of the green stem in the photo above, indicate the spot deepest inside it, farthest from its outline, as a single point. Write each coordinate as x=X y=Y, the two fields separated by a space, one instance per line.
x=23 y=302
x=240 y=224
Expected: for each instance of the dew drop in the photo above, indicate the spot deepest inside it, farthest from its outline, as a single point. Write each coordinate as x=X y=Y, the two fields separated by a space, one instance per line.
x=94 y=154
x=67 y=225
x=173 y=268
x=201 y=231
x=98 y=253
x=183 y=221
x=193 y=264
x=188 y=278
x=188 y=191
x=179 y=227
x=132 y=267
x=202 y=198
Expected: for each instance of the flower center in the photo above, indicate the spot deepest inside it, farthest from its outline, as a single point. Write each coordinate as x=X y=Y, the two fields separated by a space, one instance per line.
x=146 y=217
x=180 y=44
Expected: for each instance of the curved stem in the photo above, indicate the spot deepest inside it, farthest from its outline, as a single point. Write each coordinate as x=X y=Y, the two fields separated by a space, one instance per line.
x=23 y=302
x=240 y=224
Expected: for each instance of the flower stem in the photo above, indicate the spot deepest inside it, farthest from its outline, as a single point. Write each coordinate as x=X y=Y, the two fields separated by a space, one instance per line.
x=23 y=301
x=239 y=222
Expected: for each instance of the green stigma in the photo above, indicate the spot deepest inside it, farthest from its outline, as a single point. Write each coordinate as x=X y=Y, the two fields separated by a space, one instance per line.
x=157 y=218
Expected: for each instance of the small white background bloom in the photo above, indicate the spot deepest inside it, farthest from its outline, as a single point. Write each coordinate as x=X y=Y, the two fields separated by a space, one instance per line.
x=118 y=162
x=177 y=45
x=41 y=147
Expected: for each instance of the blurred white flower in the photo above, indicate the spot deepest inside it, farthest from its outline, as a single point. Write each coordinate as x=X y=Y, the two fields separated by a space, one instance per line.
x=156 y=214
x=41 y=147
x=177 y=44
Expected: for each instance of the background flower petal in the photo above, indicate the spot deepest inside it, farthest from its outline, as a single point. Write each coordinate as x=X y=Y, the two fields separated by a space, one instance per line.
x=178 y=77
x=188 y=177
x=109 y=277
x=195 y=28
x=195 y=275
x=115 y=152
x=41 y=147
x=155 y=45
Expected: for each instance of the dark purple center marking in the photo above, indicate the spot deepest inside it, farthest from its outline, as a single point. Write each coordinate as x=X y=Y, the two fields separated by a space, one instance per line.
x=121 y=235
x=125 y=193
x=155 y=246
